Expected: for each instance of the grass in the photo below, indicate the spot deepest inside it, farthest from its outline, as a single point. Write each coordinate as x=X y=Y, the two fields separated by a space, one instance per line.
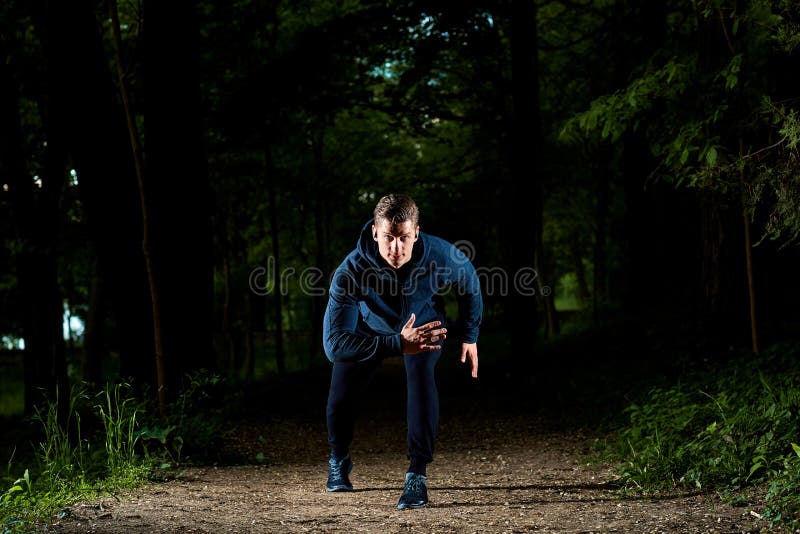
x=107 y=441
x=68 y=465
x=732 y=427
x=727 y=426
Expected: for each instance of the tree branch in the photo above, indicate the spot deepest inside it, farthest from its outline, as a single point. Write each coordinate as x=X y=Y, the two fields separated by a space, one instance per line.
x=725 y=31
x=554 y=48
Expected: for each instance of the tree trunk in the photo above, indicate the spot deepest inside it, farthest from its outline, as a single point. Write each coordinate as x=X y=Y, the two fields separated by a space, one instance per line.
x=643 y=225
x=318 y=303
x=525 y=202
x=711 y=241
x=227 y=326
x=580 y=269
x=94 y=331
x=748 y=256
x=546 y=293
x=280 y=360
x=599 y=272
x=257 y=312
x=138 y=164
x=98 y=144
x=249 y=366
x=178 y=188
x=35 y=216
x=46 y=237
x=751 y=290
x=226 y=237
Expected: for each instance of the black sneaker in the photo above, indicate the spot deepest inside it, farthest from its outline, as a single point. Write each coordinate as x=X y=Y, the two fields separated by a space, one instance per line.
x=337 y=474
x=415 y=492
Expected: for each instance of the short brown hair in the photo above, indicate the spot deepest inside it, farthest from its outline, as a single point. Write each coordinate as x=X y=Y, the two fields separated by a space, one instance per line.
x=396 y=209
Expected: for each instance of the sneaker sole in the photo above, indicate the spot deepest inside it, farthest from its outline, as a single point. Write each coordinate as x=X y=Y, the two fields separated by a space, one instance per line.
x=412 y=506
x=338 y=488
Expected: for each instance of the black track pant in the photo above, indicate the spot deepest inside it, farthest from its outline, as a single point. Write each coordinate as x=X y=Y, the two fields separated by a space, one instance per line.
x=348 y=381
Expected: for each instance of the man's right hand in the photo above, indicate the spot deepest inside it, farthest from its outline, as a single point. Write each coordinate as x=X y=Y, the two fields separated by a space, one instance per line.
x=420 y=338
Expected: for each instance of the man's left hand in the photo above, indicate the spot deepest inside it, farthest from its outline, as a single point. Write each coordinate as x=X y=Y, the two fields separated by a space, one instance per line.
x=470 y=350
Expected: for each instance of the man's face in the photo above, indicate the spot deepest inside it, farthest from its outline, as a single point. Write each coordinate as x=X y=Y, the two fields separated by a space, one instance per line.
x=395 y=241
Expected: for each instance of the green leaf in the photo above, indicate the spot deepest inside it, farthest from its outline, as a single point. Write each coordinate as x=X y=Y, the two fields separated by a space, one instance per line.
x=711 y=156
x=684 y=156
x=156 y=433
x=755 y=468
x=591 y=122
x=671 y=68
x=796 y=448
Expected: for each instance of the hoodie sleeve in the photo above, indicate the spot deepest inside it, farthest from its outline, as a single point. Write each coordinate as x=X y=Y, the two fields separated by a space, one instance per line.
x=340 y=336
x=468 y=295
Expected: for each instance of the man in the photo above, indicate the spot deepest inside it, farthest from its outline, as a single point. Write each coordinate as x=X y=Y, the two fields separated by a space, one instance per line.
x=385 y=302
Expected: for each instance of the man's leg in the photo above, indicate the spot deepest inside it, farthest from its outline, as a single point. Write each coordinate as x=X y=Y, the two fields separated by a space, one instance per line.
x=423 y=409
x=348 y=381
x=423 y=423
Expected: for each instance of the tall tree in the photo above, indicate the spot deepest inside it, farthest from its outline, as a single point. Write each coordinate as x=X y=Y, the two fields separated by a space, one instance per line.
x=99 y=149
x=695 y=108
x=524 y=194
x=36 y=216
x=176 y=179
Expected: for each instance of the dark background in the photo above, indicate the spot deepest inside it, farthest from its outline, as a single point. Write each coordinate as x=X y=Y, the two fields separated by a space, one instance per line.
x=632 y=153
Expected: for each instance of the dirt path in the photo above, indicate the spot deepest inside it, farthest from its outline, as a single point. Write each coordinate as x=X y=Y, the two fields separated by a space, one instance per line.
x=500 y=467
x=497 y=481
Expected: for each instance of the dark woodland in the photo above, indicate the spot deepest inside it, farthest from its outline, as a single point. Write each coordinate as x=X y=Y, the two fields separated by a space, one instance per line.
x=180 y=180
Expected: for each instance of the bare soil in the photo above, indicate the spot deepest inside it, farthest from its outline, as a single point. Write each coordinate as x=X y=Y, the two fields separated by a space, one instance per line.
x=494 y=472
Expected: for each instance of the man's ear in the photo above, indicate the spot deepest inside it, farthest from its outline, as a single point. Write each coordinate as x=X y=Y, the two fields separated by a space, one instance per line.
x=417 y=234
x=374 y=233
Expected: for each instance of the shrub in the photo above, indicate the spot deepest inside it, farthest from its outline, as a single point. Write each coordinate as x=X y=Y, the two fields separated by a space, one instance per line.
x=723 y=428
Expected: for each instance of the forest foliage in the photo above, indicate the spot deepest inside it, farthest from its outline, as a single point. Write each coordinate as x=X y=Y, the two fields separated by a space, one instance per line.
x=309 y=111
x=624 y=150
x=731 y=431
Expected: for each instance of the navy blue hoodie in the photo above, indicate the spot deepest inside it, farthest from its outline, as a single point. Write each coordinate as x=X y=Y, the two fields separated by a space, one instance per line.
x=369 y=302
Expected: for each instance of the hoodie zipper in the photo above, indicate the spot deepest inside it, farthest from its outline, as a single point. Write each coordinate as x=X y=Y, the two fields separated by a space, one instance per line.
x=403 y=307
x=401 y=286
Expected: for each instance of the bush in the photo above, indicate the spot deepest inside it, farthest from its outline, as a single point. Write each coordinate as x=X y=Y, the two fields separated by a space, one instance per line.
x=69 y=466
x=725 y=428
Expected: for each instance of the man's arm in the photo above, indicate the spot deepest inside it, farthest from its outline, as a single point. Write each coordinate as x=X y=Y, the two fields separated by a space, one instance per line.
x=343 y=343
x=468 y=296
x=470 y=307
x=339 y=337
